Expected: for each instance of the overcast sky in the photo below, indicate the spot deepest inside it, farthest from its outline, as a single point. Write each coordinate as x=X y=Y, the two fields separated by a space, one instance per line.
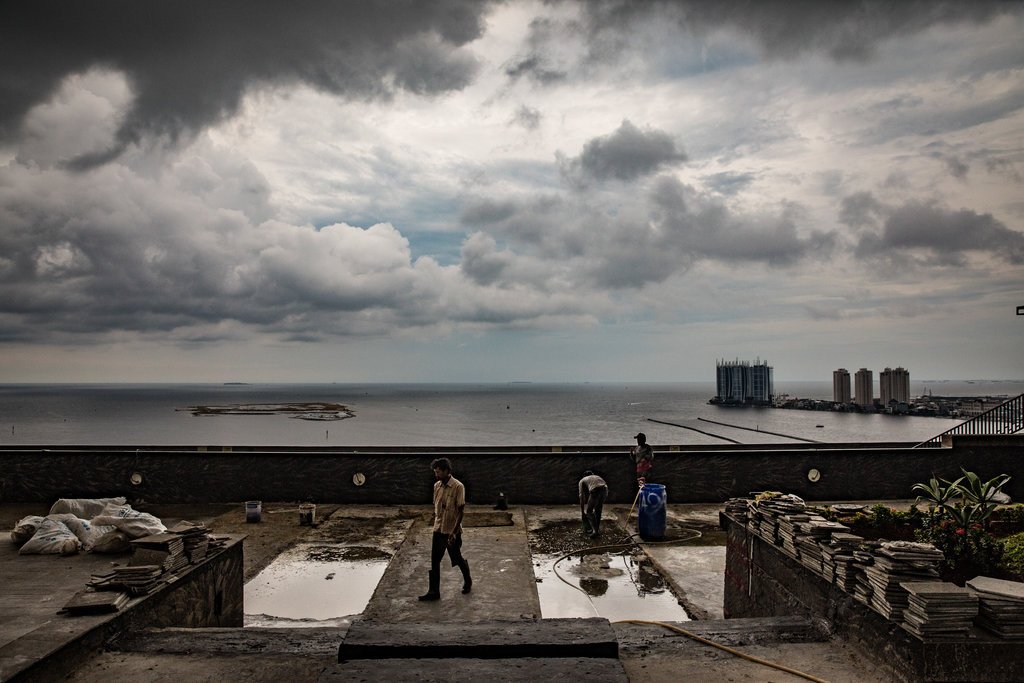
x=547 y=191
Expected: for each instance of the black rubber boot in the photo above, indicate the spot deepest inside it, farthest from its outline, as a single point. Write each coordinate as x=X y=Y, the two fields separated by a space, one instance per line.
x=434 y=591
x=467 y=580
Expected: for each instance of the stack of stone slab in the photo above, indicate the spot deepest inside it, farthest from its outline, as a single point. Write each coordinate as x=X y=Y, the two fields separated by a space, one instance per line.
x=195 y=537
x=165 y=550
x=897 y=562
x=840 y=560
x=937 y=610
x=1001 y=606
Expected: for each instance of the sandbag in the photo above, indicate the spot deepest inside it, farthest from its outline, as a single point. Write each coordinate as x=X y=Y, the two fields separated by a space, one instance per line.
x=25 y=529
x=112 y=542
x=84 y=530
x=134 y=523
x=51 y=538
x=84 y=508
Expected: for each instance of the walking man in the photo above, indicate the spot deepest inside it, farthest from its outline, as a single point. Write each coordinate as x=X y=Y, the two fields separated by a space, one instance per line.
x=643 y=456
x=593 y=493
x=449 y=506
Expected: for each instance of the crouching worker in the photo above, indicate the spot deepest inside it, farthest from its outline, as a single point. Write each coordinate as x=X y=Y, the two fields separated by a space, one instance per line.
x=593 y=493
x=449 y=506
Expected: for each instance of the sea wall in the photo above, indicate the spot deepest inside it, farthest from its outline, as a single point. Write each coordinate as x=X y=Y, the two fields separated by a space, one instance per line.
x=526 y=476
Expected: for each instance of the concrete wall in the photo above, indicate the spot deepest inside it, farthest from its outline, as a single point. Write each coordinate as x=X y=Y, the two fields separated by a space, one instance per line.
x=526 y=476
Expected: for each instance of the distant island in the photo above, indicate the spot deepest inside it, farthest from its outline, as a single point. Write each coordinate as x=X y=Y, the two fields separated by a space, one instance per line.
x=316 y=410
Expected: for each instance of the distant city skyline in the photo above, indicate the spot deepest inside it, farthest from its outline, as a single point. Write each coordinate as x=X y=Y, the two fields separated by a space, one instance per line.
x=516 y=191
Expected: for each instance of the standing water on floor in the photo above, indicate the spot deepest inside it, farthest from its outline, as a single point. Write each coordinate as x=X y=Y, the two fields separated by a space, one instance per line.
x=614 y=586
x=314 y=585
x=616 y=583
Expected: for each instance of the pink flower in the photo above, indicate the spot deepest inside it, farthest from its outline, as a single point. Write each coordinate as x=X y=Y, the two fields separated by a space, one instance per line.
x=960 y=531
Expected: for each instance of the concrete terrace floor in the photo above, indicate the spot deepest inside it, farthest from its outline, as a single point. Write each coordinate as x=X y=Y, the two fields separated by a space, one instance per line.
x=35 y=587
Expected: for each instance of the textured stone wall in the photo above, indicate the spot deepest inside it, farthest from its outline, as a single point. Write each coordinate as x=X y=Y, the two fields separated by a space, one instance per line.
x=528 y=476
x=760 y=581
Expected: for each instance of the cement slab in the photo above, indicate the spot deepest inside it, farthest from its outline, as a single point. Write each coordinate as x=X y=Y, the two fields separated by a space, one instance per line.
x=487 y=640
x=520 y=670
x=504 y=587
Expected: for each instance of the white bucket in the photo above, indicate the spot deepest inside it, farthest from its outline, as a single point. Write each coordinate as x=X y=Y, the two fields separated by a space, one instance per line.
x=307 y=514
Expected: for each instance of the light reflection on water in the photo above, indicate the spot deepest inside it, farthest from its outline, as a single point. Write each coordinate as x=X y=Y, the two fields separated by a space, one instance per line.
x=311 y=583
x=614 y=586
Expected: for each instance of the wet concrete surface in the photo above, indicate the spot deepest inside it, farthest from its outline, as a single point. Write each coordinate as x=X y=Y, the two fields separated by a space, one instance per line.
x=505 y=588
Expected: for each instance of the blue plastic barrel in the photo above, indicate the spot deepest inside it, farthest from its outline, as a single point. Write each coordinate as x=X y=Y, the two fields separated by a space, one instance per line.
x=651 y=513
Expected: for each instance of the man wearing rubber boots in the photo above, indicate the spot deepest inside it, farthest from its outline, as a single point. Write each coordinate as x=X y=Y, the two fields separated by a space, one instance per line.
x=593 y=492
x=449 y=507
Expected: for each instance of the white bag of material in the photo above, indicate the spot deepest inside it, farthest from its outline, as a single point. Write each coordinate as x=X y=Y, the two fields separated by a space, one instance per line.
x=51 y=538
x=26 y=528
x=134 y=523
x=112 y=542
x=84 y=530
x=84 y=508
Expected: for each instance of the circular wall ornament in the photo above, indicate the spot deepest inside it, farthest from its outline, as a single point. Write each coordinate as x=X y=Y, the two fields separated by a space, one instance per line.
x=358 y=479
x=813 y=475
x=136 y=478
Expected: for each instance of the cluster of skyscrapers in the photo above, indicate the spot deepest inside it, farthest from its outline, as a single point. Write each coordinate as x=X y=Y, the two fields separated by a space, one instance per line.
x=893 y=385
x=743 y=383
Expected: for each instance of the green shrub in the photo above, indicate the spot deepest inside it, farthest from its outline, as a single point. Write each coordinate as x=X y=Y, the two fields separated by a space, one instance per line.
x=967 y=549
x=1013 y=553
x=1013 y=514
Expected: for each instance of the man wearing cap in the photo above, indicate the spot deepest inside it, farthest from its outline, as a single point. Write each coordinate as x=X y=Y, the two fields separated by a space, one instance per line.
x=643 y=456
x=593 y=493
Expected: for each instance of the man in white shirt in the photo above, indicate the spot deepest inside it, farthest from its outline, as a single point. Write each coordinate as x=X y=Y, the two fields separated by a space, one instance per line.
x=449 y=507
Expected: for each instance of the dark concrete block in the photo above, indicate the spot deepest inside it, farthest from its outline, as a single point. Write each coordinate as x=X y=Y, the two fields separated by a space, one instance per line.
x=525 y=670
x=490 y=640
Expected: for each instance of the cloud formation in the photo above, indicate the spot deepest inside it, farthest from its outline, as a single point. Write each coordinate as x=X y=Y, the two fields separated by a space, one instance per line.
x=357 y=173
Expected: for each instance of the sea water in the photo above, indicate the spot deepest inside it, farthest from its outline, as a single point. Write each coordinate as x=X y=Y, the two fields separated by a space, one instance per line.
x=507 y=414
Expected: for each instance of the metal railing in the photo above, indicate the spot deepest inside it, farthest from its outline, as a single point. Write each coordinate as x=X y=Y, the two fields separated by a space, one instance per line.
x=1005 y=418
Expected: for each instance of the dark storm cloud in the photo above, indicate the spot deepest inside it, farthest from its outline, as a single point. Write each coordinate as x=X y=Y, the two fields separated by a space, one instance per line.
x=626 y=154
x=190 y=63
x=945 y=236
x=786 y=28
x=649 y=237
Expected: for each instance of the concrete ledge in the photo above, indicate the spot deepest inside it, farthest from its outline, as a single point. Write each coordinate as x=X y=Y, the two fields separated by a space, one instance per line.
x=525 y=670
x=557 y=638
x=306 y=642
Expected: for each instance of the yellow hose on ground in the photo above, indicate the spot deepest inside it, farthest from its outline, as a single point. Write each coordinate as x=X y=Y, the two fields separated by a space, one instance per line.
x=742 y=655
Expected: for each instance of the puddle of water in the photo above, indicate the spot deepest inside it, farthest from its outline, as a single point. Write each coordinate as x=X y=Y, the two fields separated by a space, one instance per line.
x=614 y=586
x=314 y=583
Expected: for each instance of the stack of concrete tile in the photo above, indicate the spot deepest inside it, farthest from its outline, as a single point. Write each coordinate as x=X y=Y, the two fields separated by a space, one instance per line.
x=737 y=508
x=937 y=610
x=1001 y=606
x=897 y=562
x=196 y=539
x=165 y=550
x=134 y=580
x=840 y=562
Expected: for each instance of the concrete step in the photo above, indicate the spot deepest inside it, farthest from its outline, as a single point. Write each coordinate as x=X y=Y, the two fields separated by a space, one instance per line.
x=554 y=638
x=522 y=670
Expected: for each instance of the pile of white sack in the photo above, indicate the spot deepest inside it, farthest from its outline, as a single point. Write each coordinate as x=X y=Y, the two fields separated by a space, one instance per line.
x=99 y=525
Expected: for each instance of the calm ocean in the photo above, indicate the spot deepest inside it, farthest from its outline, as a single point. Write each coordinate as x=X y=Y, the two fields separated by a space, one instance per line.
x=444 y=414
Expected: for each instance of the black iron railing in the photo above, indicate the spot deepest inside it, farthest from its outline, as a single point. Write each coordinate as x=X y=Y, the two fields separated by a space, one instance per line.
x=1005 y=418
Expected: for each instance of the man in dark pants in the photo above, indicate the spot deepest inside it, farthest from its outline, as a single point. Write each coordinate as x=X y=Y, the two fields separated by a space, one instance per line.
x=593 y=493
x=449 y=506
